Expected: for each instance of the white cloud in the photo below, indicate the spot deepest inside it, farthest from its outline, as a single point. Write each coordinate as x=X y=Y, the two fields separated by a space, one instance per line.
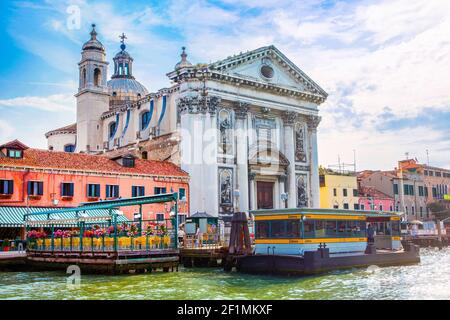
x=52 y=103
x=6 y=131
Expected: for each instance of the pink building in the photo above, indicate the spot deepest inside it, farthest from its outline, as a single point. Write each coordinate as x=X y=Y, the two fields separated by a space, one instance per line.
x=372 y=199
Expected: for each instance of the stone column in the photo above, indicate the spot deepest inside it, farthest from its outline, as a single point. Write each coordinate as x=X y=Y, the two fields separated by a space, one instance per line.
x=289 y=119
x=252 y=195
x=240 y=112
x=282 y=181
x=313 y=122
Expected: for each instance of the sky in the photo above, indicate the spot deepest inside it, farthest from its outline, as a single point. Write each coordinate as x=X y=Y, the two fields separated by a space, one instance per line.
x=385 y=64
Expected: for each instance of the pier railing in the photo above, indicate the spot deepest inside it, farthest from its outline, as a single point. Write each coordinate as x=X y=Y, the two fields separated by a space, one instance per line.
x=207 y=241
x=143 y=236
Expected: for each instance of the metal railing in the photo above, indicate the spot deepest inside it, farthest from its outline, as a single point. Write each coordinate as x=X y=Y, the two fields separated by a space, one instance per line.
x=144 y=235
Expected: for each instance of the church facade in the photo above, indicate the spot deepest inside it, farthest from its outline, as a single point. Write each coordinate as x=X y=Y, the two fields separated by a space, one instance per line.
x=244 y=128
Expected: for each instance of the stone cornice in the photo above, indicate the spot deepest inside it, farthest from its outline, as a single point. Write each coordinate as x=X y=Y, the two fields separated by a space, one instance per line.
x=198 y=104
x=206 y=74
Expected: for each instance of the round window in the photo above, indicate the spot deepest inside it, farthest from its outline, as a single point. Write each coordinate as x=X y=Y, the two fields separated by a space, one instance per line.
x=267 y=71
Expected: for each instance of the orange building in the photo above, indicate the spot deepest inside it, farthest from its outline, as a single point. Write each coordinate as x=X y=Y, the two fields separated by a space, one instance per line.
x=40 y=178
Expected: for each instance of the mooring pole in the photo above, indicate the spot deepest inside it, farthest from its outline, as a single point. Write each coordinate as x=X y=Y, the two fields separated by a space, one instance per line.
x=176 y=220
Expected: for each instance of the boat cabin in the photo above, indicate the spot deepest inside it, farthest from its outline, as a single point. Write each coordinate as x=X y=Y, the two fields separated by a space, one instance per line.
x=294 y=231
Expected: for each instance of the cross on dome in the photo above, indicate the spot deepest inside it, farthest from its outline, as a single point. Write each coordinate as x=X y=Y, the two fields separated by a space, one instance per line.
x=122 y=40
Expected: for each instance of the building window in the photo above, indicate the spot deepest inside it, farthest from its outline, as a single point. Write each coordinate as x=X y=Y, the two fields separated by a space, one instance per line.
x=395 y=188
x=69 y=148
x=356 y=206
x=112 y=191
x=344 y=191
x=35 y=188
x=144 y=155
x=362 y=207
x=334 y=192
x=335 y=206
x=137 y=191
x=426 y=191
x=345 y=205
x=390 y=208
x=15 y=154
x=421 y=212
x=412 y=210
x=381 y=207
x=434 y=190
x=438 y=173
x=160 y=216
x=128 y=162
x=181 y=193
x=97 y=77
x=355 y=192
x=112 y=129
x=425 y=172
x=6 y=186
x=160 y=190
x=145 y=119
x=67 y=189
x=93 y=190
x=421 y=193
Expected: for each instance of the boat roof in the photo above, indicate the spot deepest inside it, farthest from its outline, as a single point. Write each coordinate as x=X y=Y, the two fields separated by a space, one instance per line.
x=367 y=213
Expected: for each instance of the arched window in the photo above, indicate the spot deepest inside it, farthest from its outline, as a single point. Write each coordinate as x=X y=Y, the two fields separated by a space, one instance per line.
x=83 y=75
x=69 y=148
x=145 y=119
x=97 y=77
x=112 y=129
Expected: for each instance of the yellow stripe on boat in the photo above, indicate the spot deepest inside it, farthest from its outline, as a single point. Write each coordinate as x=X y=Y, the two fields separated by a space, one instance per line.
x=306 y=241
x=309 y=216
x=397 y=238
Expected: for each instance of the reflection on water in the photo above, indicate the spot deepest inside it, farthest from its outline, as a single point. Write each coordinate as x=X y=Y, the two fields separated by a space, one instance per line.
x=428 y=280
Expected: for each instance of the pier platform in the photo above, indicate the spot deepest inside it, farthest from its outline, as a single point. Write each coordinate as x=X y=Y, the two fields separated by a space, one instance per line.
x=109 y=262
x=212 y=256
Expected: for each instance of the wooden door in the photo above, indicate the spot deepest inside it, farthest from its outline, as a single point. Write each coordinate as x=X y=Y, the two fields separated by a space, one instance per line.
x=265 y=194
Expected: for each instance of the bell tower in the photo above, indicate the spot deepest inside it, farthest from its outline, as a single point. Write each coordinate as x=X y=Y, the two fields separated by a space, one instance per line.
x=92 y=96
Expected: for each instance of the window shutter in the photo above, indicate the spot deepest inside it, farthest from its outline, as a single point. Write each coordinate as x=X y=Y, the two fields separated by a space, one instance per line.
x=29 y=187
x=133 y=191
x=97 y=190
x=116 y=195
x=107 y=191
x=61 y=189
x=40 y=188
x=71 y=189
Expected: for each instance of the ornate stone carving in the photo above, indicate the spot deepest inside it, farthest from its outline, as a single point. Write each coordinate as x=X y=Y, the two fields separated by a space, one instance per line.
x=251 y=176
x=289 y=118
x=241 y=110
x=225 y=127
x=313 y=122
x=300 y=147
x=225 y=187
x=198 y=104
x=302 y=190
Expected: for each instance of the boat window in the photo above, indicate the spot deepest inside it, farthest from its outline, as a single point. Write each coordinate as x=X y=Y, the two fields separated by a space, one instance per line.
x=395 y=228
x=320 y=228
x=278 y=229
x=341 y=228
x=293 y=229
x=308 y=229
x=331 y=228
x=262 y=229
x=356 y=228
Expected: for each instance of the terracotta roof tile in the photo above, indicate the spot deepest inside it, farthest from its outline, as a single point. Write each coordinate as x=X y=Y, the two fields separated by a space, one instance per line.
x=77 y=161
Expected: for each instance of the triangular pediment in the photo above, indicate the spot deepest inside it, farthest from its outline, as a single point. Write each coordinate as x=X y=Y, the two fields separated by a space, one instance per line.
x=268 y=65
x=268 y=155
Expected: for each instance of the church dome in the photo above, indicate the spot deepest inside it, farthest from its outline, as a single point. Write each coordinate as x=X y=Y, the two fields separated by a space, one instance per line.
x=184 y=63
x=126 y=87
x=123 y=87
x=93 y=43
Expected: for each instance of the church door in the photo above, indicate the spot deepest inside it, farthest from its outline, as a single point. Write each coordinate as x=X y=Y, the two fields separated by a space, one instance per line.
x=265 y=195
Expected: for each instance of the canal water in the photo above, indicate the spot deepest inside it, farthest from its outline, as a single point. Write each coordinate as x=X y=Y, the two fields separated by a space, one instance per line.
x=428 y=280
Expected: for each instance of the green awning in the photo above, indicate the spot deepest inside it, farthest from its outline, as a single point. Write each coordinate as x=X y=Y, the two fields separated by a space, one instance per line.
x=13 y=217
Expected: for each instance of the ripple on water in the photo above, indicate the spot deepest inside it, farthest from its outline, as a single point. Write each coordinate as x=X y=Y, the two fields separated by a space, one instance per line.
x=427 y=280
